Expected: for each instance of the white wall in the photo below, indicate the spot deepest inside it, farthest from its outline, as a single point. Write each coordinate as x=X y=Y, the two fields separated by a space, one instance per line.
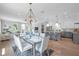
x=0 y=26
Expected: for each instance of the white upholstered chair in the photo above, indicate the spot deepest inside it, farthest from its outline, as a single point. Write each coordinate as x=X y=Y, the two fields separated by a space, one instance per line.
x=22 y=47
x=44 y=45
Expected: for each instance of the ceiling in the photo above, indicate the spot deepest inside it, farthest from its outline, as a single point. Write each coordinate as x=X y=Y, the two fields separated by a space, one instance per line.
x=42 y=11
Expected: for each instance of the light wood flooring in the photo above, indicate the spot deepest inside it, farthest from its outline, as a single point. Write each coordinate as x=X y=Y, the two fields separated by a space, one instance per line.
x=64 y=47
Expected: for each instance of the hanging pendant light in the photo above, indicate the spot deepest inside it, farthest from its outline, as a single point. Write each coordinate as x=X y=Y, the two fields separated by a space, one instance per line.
x=57 y=25
x=30 y=15
x=30 y=18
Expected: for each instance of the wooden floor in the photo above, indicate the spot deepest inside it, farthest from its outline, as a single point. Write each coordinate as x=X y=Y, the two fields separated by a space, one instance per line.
x=64 y=47
x=6 y=45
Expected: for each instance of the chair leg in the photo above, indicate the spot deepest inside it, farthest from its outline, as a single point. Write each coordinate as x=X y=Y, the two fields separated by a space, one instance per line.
x=32 y=51
x=47 y=52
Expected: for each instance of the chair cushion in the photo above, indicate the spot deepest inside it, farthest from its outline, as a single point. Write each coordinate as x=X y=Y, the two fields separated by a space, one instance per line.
x=26 y=46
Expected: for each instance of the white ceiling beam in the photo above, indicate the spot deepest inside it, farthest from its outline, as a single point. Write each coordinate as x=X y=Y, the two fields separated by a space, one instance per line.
x=12 y=19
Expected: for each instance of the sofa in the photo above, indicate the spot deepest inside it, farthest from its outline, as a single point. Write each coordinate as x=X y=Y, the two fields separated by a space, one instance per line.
x=4 y=37
x=54 y=36
x=76 y=37
x=67 y=34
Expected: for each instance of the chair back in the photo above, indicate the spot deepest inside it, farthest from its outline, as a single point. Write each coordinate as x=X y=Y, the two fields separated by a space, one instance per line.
x=17 y=42
x=42 y=35
x=44 y=44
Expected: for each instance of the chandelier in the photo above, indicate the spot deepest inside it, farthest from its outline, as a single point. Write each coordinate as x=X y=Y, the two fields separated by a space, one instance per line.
x=57 y=25
x=30 y=17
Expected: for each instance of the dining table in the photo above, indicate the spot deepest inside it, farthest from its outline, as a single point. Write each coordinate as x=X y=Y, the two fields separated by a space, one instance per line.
x=34 y=40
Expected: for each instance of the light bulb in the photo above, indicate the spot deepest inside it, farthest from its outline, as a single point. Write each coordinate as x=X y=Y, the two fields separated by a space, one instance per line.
x=47 y=25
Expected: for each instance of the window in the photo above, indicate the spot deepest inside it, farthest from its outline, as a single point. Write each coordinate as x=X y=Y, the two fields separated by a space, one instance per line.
x=23 y=27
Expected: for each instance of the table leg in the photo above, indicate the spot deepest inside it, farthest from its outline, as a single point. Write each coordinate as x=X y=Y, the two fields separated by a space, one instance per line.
x=33 y=49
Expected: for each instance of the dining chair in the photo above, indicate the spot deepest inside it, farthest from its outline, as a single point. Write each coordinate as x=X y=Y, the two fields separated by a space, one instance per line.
x=22 y=47
x=36 y=33
x=42 y=35
x=43 y=46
